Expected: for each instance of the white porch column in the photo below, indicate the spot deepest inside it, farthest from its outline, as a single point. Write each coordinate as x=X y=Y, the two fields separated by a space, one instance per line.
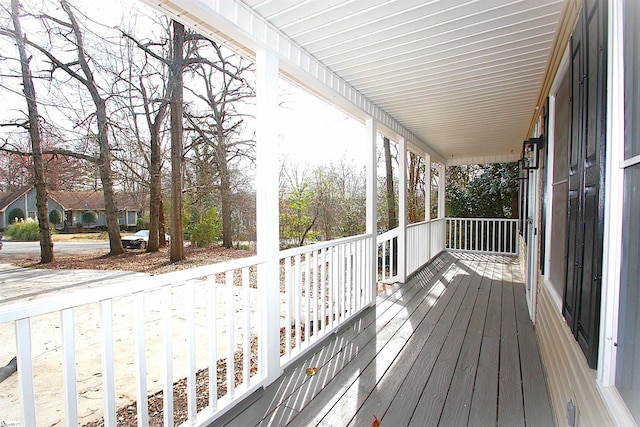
x=427 y=187
x=268 y=238
x=402 y=210
x=427 y=204
x=372 y=214
x=441 y=190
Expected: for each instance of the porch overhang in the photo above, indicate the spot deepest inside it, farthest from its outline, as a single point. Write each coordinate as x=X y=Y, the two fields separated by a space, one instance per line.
x=458 y=79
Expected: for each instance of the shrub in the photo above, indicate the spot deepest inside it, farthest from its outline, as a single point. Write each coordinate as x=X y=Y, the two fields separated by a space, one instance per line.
x=55 y=217
x=89 y=217
x=15 y=215
x=142 y=223
x=28 y=231
x=208 y=231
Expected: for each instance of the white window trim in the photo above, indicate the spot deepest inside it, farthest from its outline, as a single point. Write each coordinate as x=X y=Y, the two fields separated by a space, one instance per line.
x=563 y=69
x=614 y=188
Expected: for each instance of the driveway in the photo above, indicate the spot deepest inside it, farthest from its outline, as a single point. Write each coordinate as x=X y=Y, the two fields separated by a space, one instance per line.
x=23 y=284
x=21 y=250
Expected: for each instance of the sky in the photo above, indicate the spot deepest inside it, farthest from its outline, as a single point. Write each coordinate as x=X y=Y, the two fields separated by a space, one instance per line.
x=311 y=132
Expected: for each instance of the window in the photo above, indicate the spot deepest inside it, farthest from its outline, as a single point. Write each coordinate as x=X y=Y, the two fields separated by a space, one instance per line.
x=560 y=187
x=628 y=343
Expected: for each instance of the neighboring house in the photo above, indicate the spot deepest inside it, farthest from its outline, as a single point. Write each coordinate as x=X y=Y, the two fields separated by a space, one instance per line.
x=70 y=204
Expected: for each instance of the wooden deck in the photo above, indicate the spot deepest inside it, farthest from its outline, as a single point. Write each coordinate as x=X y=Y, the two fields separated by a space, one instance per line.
x=454 y=346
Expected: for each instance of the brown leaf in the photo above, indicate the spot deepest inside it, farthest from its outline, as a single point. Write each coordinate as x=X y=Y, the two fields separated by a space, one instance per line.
x=376 y=422
x=311 y=371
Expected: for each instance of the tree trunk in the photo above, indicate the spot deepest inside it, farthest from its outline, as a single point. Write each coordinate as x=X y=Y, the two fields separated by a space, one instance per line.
x=46 y=244
x=106 y=178
x=162 y=240
x=391 y=200
x=156 y=235
x=177 y=135
x=225 y=190
x=104 y=157
x=414 y=171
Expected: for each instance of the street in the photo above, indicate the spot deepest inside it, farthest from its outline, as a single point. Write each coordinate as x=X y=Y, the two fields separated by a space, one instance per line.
x=20 y=250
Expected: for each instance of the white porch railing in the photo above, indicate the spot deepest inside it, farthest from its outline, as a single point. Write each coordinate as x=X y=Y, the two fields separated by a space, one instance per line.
x=322 y=286
x=387 y=244
x=151 y=331
x=496 y=236
x=207 y=324
x=425 y=240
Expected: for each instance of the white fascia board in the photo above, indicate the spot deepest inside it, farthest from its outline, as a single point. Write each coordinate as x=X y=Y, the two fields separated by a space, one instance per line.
x=236 y=23
x=505 y=158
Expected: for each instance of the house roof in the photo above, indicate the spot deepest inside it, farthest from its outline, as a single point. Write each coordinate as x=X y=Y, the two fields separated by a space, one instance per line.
x=8 y=197
x=72 y=200
x=89 y=200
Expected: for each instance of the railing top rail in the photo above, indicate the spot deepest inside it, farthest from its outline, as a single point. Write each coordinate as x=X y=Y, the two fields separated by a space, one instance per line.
x=485 y=219
x=56 y=303
x=417 y=224
x=322 y=245
x=390 y=234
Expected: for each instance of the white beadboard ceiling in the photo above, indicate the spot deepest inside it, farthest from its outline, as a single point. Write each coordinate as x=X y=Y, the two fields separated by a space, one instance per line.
x=462 y=75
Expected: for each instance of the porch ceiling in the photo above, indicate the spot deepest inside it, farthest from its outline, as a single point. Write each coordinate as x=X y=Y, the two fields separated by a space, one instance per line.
x=462 y=75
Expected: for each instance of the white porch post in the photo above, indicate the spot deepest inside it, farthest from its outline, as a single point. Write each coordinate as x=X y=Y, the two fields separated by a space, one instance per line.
x=268 y=238
x=441 y=190
x=427 y=203
x=427 y=187
x=372 y=214
x=402 y=210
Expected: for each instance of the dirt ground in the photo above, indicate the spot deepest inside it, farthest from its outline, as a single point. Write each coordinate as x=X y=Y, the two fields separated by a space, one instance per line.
x=139 y=260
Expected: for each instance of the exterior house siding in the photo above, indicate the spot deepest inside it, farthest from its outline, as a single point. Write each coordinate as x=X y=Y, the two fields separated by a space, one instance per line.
x=70 y=204
x=569 y=377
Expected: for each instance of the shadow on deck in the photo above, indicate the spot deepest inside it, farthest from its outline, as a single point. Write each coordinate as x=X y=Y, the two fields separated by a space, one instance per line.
x=453 y=346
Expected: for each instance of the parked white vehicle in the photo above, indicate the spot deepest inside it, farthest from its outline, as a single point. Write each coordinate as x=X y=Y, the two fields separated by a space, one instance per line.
x=138 y=240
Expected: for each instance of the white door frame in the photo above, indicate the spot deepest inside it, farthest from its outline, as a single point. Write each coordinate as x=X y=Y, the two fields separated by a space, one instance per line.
x=531 y=255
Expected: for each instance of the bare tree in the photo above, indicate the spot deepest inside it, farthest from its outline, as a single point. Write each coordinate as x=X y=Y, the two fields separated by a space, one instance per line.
x=416 y=188
x=391 y=199
x=153 y=102
x=219 y=127
x=46 y=244
x=80 y=71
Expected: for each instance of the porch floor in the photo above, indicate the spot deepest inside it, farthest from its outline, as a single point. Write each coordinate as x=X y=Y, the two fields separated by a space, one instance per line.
x=453 y=346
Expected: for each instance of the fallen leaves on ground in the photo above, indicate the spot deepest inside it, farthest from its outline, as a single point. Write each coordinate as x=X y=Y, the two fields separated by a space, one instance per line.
x=139 y=260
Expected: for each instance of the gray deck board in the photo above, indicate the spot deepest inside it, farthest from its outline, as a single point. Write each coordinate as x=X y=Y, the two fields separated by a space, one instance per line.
x=426 y=340
x=510 y=405
x=536 y=408
x=453 y=346
x=483 y=405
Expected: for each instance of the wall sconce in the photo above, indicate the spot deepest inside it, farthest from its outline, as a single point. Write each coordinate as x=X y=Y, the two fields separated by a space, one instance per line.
x=522 y=172
x=531 y=153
